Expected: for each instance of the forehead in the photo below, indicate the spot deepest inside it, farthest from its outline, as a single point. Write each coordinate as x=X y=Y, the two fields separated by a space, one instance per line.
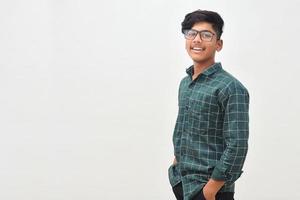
x=200 y=26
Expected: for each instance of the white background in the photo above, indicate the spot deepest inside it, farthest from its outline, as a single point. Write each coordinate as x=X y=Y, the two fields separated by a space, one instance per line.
x=88 y=96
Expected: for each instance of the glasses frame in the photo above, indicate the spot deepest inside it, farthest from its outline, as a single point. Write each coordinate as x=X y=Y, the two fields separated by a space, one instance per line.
x=198 y=32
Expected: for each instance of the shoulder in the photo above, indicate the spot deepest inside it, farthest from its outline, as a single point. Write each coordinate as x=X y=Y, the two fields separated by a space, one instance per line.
x=230 y=88
x=230 y=84
x=184 y=81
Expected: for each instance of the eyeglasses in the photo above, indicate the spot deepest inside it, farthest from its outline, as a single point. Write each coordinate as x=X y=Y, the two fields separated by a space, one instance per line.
x=205 y=35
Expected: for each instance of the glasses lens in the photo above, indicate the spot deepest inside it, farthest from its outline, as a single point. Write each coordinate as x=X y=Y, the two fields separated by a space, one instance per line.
x=190 y=34
x=206 y=36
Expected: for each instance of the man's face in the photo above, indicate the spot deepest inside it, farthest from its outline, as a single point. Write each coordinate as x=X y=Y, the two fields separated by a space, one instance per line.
x=201 y=51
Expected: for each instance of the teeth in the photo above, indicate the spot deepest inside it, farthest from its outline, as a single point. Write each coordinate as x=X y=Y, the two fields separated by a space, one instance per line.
x=198 y=49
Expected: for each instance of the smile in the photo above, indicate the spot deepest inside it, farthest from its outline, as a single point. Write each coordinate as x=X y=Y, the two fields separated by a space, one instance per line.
x=197 y=49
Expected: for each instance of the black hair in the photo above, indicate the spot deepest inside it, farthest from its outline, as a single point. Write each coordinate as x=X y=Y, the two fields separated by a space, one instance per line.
x=203 y=16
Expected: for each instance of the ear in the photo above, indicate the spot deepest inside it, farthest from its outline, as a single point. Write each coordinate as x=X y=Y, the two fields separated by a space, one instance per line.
x=219 y=45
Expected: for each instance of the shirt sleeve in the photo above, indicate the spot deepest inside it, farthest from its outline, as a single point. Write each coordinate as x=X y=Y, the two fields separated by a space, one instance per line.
x=235 y=102
x=177 y=130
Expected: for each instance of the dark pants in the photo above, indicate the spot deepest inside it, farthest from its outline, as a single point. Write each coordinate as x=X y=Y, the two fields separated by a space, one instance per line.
x=177 y=189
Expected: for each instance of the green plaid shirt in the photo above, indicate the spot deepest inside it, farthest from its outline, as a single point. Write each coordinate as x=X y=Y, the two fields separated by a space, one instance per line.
x=211 y=132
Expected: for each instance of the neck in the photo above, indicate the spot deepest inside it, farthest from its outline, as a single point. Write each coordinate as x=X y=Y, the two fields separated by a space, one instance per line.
x=200 y=67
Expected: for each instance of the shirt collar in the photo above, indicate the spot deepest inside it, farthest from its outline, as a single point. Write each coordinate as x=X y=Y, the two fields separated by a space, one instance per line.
x=208 y=71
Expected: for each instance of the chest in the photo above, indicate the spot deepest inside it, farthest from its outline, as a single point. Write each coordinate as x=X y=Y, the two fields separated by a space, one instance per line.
x=199 y=98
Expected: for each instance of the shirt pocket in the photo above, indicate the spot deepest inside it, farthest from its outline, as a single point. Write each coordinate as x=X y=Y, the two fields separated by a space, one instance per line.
x=200 y=104
x=203 y=113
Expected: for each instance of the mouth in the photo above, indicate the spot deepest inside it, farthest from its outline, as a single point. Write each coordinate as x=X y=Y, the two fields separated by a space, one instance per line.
x=197 y=49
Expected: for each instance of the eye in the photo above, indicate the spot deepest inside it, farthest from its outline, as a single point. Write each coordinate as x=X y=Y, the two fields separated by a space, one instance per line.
x=206 y=35
x=190 y=33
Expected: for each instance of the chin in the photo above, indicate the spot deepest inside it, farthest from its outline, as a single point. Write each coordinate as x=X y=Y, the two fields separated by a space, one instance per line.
x=202 y=61
x=199 y=60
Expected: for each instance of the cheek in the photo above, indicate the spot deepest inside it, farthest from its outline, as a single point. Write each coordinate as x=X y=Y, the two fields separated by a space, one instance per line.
x=212 y=47
x=187 y=45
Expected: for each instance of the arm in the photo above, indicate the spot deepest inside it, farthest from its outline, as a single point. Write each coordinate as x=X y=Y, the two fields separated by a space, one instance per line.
x=235 y=102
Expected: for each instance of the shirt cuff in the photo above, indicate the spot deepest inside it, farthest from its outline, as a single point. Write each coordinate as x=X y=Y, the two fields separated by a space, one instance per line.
x=218 y=175
x=221 y=175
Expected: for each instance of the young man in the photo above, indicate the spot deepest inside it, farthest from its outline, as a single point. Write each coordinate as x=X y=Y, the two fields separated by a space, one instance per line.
x=211 y=132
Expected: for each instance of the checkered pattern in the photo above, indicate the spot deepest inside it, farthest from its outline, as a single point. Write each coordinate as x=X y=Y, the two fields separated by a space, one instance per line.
x=211 y=132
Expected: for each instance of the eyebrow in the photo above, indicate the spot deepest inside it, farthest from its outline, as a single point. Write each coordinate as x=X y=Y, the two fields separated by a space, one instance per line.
x=203 y=30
